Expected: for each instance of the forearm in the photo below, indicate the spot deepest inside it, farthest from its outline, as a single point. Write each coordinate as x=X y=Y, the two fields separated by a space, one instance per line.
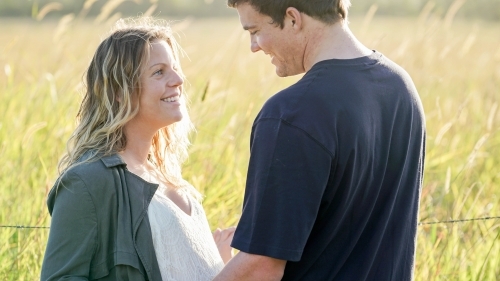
x=245 y=266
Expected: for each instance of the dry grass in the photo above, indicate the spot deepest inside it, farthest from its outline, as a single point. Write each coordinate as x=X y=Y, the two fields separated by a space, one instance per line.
x=455 y=65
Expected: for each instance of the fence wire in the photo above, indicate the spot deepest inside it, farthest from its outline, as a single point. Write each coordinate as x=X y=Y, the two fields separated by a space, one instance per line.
x=458 y=220
x=419 y=224
x=24 y=226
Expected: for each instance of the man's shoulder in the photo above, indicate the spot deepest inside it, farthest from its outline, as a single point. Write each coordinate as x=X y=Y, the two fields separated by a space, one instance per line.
x=288 y=100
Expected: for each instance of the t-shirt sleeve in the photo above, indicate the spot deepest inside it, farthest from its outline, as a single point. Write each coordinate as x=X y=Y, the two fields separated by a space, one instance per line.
x=287 y=176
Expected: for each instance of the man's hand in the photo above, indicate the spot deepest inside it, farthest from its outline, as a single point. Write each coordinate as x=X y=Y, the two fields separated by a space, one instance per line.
x=223 y=240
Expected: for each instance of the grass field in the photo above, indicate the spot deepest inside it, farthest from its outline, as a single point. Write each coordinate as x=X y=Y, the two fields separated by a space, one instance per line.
x=455 y=66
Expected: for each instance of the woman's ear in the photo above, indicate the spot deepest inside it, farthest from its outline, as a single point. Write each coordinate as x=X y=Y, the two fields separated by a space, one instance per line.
x=118 y=97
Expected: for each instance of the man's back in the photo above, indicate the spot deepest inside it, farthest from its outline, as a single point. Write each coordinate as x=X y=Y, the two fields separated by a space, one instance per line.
x=336 y=160
x=335 y=174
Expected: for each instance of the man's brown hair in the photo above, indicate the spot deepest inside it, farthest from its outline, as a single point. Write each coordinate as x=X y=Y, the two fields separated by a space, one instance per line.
x=327 y=11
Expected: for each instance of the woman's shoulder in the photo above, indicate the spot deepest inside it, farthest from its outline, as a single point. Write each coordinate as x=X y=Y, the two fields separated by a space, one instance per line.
x=91 y=172
x=92 y=176
x=94 y=166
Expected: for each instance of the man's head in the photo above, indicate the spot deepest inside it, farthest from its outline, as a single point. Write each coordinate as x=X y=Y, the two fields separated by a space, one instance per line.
x=289 y=30
x=327 y=11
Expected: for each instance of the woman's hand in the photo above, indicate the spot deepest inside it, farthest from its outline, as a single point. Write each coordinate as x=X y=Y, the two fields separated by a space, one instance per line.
x=223 y=240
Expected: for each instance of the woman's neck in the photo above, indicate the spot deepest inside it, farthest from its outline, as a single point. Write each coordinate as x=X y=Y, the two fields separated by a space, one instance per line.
x=136 y=150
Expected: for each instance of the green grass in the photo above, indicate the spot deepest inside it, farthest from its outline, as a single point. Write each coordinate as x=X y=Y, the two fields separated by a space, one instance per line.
x=456 y=70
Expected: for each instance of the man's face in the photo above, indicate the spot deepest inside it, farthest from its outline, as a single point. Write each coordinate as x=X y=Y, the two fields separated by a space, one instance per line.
x=283 y=45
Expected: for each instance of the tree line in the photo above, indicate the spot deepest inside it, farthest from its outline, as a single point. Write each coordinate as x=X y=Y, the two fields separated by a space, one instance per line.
x=484 y=9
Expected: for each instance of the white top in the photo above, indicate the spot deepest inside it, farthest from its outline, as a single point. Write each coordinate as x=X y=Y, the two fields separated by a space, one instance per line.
x=184 y=245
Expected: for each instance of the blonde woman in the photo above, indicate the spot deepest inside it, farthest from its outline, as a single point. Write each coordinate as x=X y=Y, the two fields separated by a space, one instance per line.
x=120 y=208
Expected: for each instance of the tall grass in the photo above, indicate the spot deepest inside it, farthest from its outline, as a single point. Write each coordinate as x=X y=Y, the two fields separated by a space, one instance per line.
x=455 y=65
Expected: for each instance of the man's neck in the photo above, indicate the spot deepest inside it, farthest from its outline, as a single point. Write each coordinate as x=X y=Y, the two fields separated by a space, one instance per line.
x=331 y=42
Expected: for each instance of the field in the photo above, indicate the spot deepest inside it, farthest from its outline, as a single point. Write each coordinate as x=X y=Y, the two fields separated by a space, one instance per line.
x=455 y=66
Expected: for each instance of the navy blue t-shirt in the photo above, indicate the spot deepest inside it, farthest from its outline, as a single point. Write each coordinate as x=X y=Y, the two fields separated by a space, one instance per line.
x=335 y=174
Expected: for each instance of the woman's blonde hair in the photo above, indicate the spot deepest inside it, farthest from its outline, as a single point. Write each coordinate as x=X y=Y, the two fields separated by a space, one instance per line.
x=114 y=75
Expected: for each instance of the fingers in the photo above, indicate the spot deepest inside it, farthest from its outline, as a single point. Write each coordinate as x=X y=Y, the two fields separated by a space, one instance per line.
x=217 y=235
x=227 y=233
x=223 y=239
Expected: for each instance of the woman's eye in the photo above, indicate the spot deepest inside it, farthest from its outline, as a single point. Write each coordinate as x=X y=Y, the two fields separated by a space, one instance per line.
x=158 y=72
x=253 y=32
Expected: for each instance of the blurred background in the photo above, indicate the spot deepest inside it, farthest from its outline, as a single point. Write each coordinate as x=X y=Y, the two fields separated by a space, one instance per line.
x=450 y=48
x=484 y=9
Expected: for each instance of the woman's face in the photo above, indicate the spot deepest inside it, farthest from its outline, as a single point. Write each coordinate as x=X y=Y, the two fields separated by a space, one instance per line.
x=160 y=99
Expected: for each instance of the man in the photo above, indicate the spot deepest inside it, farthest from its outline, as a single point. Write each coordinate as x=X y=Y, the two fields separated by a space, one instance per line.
x=336 y=160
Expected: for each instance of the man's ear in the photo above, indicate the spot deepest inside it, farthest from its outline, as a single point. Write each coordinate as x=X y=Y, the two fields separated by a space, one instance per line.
x=294 y=18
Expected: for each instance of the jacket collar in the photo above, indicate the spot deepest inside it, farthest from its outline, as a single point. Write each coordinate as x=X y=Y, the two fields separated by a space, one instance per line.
x=109 y=161
x=113 y=160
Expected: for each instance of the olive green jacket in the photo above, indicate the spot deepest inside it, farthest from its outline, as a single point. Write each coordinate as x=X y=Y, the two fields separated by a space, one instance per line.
x=100 y=228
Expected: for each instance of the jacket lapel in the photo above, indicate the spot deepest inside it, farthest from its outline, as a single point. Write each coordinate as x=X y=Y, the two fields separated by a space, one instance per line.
x=142 y=236
x=134 y=230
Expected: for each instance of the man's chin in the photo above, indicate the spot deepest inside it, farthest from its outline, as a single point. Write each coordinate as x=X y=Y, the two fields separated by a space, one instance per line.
x=285 y=73
x=281 y=74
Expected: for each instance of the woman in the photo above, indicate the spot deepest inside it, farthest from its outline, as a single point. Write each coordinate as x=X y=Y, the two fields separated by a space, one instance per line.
x=120 y=208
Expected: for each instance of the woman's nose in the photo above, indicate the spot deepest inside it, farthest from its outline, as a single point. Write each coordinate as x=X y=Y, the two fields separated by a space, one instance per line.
x=176 y=80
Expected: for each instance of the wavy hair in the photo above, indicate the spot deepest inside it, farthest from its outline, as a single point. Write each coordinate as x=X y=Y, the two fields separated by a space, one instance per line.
x=114 y=74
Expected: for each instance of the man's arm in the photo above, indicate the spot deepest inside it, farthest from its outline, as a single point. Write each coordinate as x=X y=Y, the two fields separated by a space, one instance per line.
x=244 y=266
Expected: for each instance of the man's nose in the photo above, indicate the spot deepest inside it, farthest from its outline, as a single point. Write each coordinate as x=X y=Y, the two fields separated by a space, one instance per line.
x=254 y=47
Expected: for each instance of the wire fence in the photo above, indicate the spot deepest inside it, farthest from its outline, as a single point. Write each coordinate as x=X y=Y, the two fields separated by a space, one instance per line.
x=24 y=226
x=419 y=224
x=457 y=220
